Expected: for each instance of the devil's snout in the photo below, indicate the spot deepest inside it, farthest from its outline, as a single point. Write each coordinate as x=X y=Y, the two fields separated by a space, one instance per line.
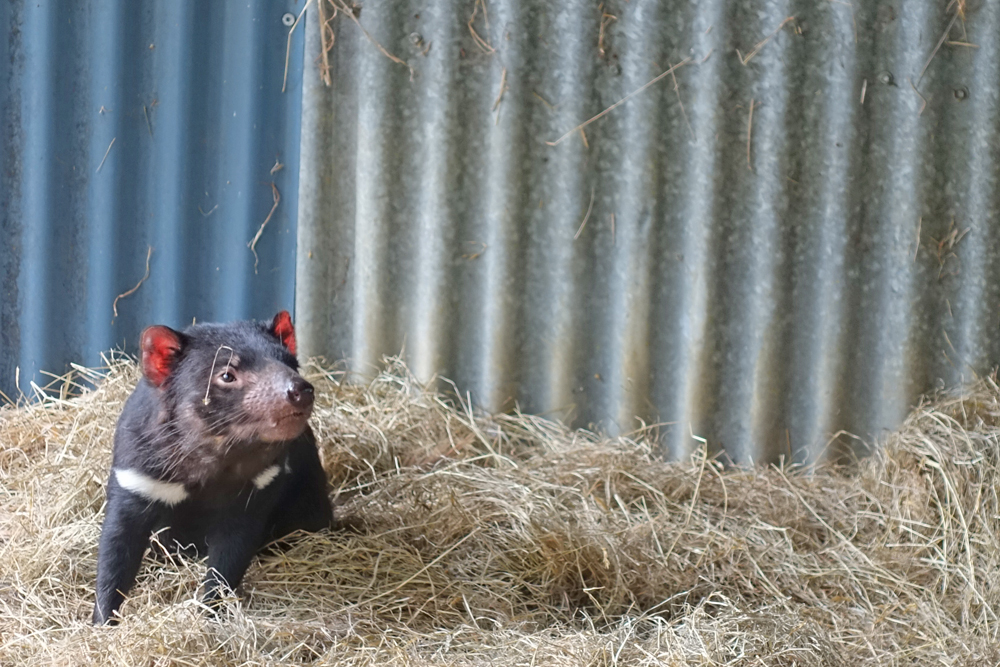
x=300 y=394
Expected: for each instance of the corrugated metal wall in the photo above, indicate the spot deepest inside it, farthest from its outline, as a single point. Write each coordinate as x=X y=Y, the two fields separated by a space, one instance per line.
x=131 y=124
x=799 y=237
x=761 y=279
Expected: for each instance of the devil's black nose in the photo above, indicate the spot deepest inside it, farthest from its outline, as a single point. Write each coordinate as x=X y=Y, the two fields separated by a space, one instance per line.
x=300 y=394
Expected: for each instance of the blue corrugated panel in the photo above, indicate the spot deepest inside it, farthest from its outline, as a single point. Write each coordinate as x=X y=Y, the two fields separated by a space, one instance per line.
x=761 y=280
x=131 y=124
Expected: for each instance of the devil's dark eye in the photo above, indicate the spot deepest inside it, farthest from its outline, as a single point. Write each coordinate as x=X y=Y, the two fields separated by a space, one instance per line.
x=227 y=377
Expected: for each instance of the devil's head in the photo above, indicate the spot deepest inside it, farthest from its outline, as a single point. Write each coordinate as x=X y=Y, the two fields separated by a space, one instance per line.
x=239 y=381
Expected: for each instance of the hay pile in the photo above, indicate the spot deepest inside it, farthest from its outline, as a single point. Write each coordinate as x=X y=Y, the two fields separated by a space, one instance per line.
x=510 y=540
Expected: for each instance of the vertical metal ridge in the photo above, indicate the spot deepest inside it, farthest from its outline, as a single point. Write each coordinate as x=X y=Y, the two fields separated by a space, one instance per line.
x=954 y=208
x=313 y=278
x=234 y=118
x=171 y=126
x=824 y=124
x=628 y=244
x=233 y=187
x=12 y=145
x=206 y=198
x=681 y=387
x=552 y=360
x=37 y=108
x=326 y=264
x=435 y=223
x=749 y=197
x=498 y=311
x=769 y=257
x=889 y=220
x=239 y=123
x=373 y=197
x=977 y=343
x=107 y=105
x=481 y=75
x=69 y=185
x=930 y=352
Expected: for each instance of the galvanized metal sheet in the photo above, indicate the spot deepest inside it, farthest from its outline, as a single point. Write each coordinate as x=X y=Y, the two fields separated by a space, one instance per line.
x=131 y=125
x=794 y=237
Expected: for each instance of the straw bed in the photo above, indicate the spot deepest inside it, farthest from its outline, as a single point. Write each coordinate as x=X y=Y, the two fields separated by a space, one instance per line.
x=471 y=539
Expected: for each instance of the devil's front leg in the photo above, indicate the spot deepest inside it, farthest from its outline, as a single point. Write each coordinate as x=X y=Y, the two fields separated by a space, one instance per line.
x=128 y=522
x=232 y=544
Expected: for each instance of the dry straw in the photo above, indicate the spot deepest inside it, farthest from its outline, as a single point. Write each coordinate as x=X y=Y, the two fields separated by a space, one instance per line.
x=470 y=539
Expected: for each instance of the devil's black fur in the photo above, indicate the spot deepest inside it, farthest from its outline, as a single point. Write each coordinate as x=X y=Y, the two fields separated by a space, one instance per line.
x=224 y=475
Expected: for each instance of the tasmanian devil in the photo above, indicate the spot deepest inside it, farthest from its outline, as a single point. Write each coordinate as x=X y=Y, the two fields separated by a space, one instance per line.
x=212 y=451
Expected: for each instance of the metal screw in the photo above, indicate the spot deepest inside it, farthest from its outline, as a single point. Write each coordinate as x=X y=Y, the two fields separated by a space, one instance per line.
x=288 y=20
x=961 y=93
x=416 y=38
x=885 y=78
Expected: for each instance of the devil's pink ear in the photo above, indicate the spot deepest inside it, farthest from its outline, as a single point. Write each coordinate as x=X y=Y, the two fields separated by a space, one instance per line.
x=283 y=329
x=160 y=346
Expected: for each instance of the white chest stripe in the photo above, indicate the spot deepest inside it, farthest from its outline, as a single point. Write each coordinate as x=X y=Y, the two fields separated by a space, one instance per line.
x=266 y=476
x=169 y=493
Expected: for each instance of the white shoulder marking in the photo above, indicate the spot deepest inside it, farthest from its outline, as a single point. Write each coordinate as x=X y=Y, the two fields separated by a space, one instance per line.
x=266 y=476
x=169 y=493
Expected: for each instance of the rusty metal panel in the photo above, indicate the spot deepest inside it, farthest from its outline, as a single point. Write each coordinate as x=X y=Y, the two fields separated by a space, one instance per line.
x=137 y=124
x=797 y=237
